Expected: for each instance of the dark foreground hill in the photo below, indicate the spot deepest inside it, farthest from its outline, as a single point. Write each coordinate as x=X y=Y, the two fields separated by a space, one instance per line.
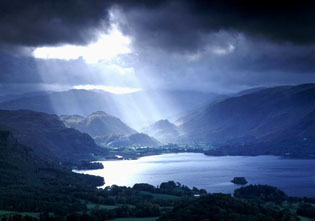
x=48 y=137
x=277 y=120
x=223 y=207
x=29 y=183
x=20 y=166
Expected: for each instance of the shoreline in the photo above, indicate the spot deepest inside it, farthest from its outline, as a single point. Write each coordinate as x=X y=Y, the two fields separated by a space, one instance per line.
x=120 y=156
x=212 y=184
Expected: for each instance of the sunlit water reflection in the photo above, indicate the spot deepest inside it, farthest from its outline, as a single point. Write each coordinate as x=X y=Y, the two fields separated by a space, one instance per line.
x=294 y=176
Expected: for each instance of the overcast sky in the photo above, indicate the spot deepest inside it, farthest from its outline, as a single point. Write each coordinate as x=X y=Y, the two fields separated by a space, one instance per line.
x=212 y=46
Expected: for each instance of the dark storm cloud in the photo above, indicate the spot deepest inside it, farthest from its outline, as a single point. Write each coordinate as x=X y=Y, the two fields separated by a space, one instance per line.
x=290 y=21
x=49 y=22
x=39 y=22
x=167 y=23
x=252 y=63
x=176 y=42
x=185 y=25
x=178 y=39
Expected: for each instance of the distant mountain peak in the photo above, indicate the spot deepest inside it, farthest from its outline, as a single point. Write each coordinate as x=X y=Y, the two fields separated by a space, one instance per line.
x=118 y=140
x=163 y=130
x=131 y=108
x=250 y=91
x=100 y=113
x=163 y=123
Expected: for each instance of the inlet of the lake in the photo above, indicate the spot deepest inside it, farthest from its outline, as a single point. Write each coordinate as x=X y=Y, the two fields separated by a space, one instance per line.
x=294 y=176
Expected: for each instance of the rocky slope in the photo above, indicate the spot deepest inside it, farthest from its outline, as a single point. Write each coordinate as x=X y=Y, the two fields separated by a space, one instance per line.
x=162 y=130
x=137 y=139
x=48 y=137
x=269 y=117
x=97 y=124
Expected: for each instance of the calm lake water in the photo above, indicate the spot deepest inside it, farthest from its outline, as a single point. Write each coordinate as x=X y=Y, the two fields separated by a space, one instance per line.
x=295 y=176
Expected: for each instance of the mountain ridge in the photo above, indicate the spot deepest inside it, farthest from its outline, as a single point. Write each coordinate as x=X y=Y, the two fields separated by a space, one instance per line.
x=96 y=124
x=254 y=119
x=151 y=105
x=162 y=130
x=48 y=137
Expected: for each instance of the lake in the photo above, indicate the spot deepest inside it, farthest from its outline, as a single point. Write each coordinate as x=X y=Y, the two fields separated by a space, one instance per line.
x=294 y=176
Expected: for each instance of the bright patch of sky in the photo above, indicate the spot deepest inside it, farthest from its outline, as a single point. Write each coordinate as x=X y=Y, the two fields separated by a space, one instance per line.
x=223 y=51
x=107 y=47
x=111 y=89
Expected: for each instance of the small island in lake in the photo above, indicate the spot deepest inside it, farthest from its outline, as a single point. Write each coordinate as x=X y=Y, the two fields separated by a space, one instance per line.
x=239 y=180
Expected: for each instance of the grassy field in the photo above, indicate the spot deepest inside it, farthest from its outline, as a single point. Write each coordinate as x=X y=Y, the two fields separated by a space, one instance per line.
x=165 y=196
x=305 y=218
x=91 y=205
x=100 y=206
x=10 y=213
x=293 y=207
x=136 y=219
x=160 y=196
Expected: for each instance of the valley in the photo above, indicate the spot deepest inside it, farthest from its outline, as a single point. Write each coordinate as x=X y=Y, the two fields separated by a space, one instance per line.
x=40 y=150
x=161 y=110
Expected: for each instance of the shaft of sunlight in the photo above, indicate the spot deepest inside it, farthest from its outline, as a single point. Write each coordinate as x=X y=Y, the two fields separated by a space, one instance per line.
x=110 y=89
x=100 y=66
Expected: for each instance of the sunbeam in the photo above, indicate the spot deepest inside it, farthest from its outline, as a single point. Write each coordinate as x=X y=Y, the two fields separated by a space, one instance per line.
x=101 y=66
x=111 y=89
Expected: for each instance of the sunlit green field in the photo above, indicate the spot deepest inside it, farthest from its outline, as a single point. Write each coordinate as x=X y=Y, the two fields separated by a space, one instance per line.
x=101 y=206
x=136 y=219
x=9 y=213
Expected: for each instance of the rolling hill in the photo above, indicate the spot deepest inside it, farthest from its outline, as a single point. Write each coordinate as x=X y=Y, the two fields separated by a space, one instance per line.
x=137 y=109
x=48 y=137
x=268 y=117
x=137 y=139
x=162 y=130
x=97 y=124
